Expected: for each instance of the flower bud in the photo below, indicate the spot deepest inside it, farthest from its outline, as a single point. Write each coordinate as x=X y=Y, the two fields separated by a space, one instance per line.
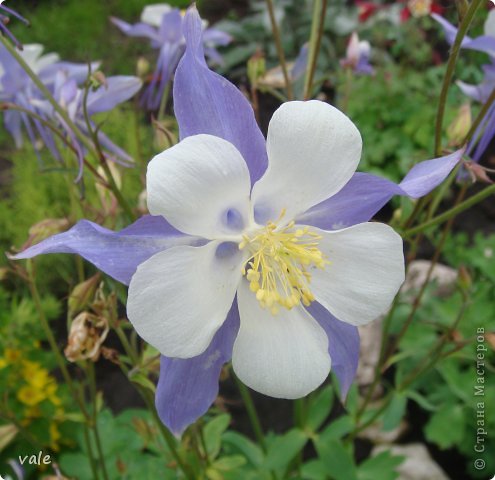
x=46 y=228
x=464 y=279
x=142 y=67
x=97 y=80
x=460 y=126
x=256 y=68
x=82 y=294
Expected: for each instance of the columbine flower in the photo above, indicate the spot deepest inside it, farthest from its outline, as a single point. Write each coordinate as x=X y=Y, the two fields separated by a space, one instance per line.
x=162 y=24
x=486 y=129
x=301 y=287
x=4 y=20
x=106 y=97
x=17 y=88
x=480 y=93
x=484 y=43
x=357 y=56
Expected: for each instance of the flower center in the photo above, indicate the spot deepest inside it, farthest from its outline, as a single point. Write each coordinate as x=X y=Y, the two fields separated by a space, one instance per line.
x=277 y=269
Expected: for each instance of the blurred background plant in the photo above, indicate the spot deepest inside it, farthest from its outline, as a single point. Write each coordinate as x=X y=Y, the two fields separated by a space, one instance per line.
x=413 y=402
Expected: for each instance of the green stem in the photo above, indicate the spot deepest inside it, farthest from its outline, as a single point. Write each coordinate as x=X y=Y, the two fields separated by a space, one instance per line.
x=51 y=339
x=92 y=463
x=148 y=399
x=103 y=160
x=280 y=49
x=435 y=353
x=419 y=297
x=447 y=80
x=90 y=371
x=252 y=413
x=317 y=26
x=452 y=212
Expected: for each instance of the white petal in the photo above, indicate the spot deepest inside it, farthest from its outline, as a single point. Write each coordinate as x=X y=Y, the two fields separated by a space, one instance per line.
x=313 y=150
x=180 y=297
x=284 y=356
x=152 y=14
x=31 y=53
x=490 y=24
x=197 y=184
x=46 y=60
x=365 y=272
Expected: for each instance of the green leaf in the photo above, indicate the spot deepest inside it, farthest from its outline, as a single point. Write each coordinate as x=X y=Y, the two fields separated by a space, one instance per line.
x=337 y=429
x=381 y=466
x=76 y=465
x=319 y=408
x=421 y=400
x=314 y=470
x=337 y=460
x=141 y=379
x=446 y=427
x=283 y=449
x=213 y=434
x=243 y=445
x=394 y=413
x=230 y=463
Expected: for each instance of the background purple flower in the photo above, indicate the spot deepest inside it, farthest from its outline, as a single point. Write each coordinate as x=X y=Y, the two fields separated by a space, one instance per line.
x=162 y=25
x=62 y=80
x=480 y=93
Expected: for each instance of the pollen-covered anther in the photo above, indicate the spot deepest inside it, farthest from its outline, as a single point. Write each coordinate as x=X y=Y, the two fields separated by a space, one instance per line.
x=277 y=270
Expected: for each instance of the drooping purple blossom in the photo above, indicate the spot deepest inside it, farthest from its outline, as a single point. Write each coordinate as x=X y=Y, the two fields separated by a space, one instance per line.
x=4 y=21
x=484 y=43
x=162 y=25
x=206 y=103
x=479 y=93
x=486 y=129
x=106 y=97
x=62 y=80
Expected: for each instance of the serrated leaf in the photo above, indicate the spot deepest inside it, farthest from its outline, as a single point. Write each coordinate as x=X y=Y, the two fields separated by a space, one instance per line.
x=314 y=470
x=381 y=466
x=446 y=427
x=213 y=434
x=243 y=445
x=283 y=449
x=337 y=429
x=422 y=401
x=394 y=413
x=337 y=460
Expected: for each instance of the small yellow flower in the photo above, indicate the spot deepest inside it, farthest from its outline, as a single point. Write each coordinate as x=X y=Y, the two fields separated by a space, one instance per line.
x=55 y=436
x=12 y=355
x=30 y=396
x=3 y=363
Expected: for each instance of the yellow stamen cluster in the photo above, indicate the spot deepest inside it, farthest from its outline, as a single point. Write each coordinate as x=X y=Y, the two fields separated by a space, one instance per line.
x=277 y=270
